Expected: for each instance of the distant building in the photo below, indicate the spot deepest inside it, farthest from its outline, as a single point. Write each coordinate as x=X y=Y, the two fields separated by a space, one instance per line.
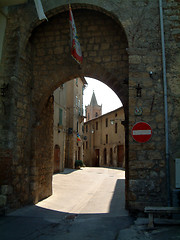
x=74 y=121
x=68 y=123
x=104 y=143
x=93 y=110
x=59 y=128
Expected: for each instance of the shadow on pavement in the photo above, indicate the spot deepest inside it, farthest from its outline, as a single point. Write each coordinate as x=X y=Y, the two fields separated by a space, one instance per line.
x=34 y=222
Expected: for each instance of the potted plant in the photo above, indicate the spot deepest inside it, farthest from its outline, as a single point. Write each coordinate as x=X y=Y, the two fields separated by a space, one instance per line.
x=79 y=164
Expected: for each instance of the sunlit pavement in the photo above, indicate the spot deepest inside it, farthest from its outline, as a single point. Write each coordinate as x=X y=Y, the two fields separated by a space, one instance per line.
x=86 y=204
x=88 y=191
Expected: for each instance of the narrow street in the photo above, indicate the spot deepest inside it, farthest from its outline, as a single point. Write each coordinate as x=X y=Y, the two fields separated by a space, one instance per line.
x=86 y=204
x=88 y=191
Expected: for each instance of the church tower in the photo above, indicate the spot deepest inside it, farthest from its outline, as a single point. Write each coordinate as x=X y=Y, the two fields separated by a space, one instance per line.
x=93 y=110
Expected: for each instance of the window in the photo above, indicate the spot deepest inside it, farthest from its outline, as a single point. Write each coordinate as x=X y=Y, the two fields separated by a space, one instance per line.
x=96 y=114
x=76 y=101
x=86 y=128
x=115 y=127
x=96 y=125
x=87 y=145
x=106 y=138
x=77 y=126
x=60 y=116
x=106 y=122
x=93 y=128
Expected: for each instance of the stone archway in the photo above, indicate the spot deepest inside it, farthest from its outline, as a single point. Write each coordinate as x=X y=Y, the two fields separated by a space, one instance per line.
x=119 y=56
x=104 y=46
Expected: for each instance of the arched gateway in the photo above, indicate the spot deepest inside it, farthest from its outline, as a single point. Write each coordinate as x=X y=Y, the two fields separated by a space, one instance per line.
x=36 y=60
x=105 y=57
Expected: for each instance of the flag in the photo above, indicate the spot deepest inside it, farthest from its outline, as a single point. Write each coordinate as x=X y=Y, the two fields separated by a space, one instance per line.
x=75 y=45
x=40 y=10
x=78 y=137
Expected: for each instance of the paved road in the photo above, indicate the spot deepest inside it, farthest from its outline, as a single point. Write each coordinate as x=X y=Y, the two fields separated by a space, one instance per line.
x=86 y=204
x=88 y=191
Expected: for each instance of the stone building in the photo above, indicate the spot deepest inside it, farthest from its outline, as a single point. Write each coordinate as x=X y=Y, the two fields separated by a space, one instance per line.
x=93 y=110
x=74 y=121
x=104 y=143
x=68 y=121
x=131 y=46
x=59 y=128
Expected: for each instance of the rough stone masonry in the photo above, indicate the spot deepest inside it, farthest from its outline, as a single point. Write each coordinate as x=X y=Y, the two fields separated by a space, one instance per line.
x=121 y=44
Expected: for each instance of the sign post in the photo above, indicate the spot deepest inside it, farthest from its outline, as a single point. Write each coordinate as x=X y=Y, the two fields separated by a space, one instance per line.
x=141 y=132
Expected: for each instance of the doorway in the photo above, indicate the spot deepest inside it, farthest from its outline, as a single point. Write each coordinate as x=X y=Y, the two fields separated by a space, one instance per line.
x=96 y=160
x=120 y=155
x=56 y=167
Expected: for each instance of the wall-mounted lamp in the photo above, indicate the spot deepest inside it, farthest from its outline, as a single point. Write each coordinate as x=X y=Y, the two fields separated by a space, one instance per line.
x=4 y=89
x=138 y=90
x=150 y=74
x=70 y=130
x=153 y=75
x=92 y=131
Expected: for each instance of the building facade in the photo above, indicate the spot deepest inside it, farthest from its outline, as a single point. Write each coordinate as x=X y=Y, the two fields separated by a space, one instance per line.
x=74 y=121
x=68 y=124
x=104 y=140
x=60 y=129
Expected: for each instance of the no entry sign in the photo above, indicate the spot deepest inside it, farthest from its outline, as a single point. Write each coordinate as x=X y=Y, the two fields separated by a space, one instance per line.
x=141 y=132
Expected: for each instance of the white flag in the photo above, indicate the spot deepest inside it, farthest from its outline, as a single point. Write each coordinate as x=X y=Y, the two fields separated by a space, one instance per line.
x=76 y=52
x=40 y=10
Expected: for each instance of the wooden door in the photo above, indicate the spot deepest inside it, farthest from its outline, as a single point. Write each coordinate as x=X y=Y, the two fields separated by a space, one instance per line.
x=105 y=156
x=111 y=157
x=96 y=160
x=120 y=155
x=56 y=159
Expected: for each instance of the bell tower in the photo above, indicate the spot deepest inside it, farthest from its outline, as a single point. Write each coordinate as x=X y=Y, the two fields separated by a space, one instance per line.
x=93 y=110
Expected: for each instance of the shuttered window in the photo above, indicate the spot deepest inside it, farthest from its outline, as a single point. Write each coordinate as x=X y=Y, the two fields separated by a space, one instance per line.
x=60 y=117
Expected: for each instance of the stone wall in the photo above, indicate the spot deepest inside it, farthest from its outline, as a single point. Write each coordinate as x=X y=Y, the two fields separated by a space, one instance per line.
x=121 y=45
x=95 y=132
x=172 y=38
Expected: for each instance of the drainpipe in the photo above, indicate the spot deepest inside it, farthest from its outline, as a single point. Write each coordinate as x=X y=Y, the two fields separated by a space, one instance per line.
x=165 y=103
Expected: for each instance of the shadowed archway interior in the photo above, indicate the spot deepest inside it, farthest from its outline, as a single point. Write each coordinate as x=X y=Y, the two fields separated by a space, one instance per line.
x=103 y=43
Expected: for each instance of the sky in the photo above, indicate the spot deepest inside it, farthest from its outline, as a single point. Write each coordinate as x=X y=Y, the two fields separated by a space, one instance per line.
x=103 y=93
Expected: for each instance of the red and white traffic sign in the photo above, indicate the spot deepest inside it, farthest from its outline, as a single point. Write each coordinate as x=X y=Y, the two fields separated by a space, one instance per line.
x=141 y=132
